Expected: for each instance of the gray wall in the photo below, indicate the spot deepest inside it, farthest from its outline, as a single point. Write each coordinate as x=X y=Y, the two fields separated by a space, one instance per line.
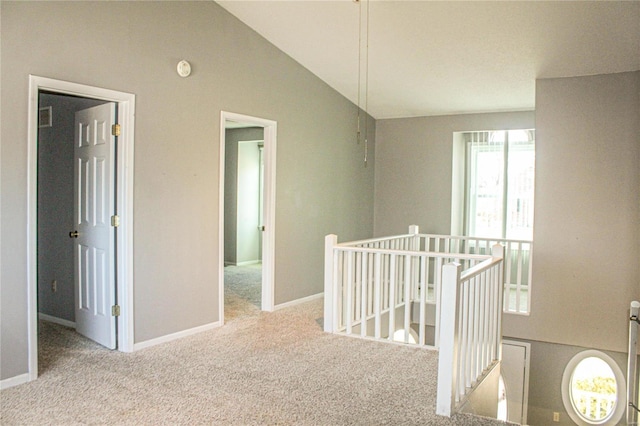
x=587 y=212
x=547 y=365
x=587 y=215
x=232 y=137
x=414 y=159
x=322 y=186
x=55 y=205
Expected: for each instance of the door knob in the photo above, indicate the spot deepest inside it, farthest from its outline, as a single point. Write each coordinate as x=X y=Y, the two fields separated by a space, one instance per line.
x=73 y=234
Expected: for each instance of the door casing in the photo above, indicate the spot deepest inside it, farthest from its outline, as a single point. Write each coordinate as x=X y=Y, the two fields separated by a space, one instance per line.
x=124 y=189
x=269 y=203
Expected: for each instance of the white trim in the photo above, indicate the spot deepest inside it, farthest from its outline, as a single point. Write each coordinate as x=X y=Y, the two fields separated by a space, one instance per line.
x=174 y=336
x=126 y=118
x=14 y=381
x=56 y=320
x=269 y=219
x=245 y=263
x=298 y=301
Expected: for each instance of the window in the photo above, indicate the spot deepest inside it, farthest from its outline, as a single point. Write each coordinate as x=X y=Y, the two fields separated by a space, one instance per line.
x=499 y=183
x=592 y=387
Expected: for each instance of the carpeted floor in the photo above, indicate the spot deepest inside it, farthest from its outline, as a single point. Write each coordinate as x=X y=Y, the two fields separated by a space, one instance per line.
x=262 y=368
x=242 y=290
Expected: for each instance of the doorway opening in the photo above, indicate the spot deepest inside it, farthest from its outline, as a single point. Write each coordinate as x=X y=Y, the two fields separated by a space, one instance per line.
x=68 y=267
x=247 y=219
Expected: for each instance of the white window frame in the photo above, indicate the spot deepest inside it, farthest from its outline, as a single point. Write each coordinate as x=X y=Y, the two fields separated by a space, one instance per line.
x=469 y=203
x=621 y=389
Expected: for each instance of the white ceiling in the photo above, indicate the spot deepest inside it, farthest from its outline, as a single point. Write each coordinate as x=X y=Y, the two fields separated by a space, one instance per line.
x=448 y=57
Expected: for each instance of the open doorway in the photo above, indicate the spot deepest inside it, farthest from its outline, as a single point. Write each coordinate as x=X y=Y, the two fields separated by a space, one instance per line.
x=60 y=244
x=247 y=164
x=75 y=256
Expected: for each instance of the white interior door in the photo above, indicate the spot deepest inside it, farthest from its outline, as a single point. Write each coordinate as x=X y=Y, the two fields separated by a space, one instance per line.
x=515 y=373
x=94 y=236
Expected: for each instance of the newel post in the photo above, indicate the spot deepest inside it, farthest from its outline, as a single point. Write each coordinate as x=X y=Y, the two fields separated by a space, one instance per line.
x=448 y=357
x=330 y=241
x=634 y=315
x=497 y=251
x=415 y=230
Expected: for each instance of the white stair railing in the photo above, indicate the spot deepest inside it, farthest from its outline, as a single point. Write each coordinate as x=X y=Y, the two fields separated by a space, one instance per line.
x=518 y=263
x=632 y=360
x=470 y=329
x=375 y=288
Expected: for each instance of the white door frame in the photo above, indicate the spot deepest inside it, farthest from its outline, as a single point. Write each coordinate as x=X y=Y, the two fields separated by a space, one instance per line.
x=269 y=219
x=124 y=247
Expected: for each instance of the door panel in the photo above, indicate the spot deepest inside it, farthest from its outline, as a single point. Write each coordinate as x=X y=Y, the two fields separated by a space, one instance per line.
x=95 y=194
x=515 y=373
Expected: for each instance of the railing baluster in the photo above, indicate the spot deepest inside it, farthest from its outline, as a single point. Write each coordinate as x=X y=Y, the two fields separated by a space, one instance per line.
x=392 y=297
x=349 y=288
x=385 y=282
x=364 y=285
x=438 y=289
x=357 y=287
x=377 y=305
x=519 y=277
x=464 y=339
x=423 y=299
x=407 y=297
x=529 y=276
x=507 y=281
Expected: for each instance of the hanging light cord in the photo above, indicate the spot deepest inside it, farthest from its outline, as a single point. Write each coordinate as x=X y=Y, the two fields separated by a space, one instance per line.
x=366 y=93
x=359 y=64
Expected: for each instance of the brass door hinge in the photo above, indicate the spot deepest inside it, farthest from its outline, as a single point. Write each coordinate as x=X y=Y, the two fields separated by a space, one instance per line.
x=115 y=220
x=115 y=311
x=115 y=130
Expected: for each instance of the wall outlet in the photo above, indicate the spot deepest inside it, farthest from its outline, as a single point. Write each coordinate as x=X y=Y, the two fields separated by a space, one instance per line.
x=54 y=286
x=556 y=416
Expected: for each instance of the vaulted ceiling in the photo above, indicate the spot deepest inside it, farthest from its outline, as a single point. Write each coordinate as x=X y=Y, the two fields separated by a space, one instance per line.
x=447 y=57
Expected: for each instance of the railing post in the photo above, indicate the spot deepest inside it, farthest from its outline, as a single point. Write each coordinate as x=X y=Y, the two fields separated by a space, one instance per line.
x=498 y=252
x=330 y=241
x=448 y=357
x=632 y=415
x=415 y=277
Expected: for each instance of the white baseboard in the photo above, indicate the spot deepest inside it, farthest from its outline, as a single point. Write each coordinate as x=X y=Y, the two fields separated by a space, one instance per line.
x=245 y=263
x=298 y=301
x=14 y=381
x=56 y=320
x=174 y=336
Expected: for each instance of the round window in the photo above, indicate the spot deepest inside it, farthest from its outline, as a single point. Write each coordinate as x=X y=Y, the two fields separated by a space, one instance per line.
x=592 y=386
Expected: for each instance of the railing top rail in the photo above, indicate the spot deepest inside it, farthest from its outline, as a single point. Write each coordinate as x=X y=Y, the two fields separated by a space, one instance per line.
x=461 y=237
x=413 y=252
x=479 y=268
x=374 y=240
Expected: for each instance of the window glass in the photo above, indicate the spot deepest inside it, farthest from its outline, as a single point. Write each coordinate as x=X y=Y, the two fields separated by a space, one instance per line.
x=593 y=387
x=500 y=184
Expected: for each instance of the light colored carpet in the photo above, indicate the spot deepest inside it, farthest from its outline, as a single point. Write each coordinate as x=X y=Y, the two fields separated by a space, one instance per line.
x=275 y=368
x=242 y=290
